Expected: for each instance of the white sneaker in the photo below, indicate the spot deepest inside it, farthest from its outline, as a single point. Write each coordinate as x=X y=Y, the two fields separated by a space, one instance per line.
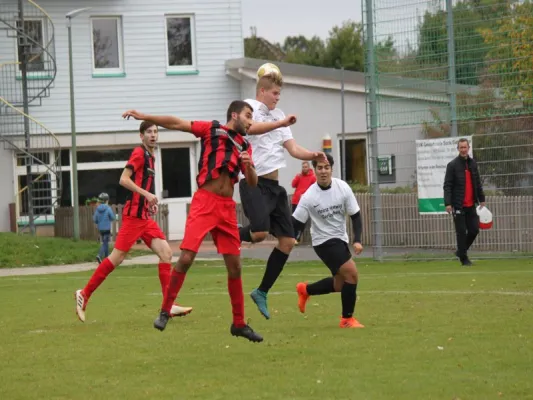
x=81 y=304
x=179 y=311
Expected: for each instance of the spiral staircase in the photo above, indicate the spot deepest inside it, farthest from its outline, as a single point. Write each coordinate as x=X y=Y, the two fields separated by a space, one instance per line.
x=25 y=82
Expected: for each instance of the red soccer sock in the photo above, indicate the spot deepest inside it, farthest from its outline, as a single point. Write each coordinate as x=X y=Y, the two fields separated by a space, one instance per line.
x=102 y=271
x=164 y=276
x=174 y=287
x=236 y=295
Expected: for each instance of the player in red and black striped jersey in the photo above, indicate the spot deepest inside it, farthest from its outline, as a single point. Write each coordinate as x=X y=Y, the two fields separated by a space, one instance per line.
x=225 y=153
x=137 y=222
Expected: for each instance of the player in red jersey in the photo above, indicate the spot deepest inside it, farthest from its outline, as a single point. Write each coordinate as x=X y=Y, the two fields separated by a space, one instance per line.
x=225 y=153
x=138 y=177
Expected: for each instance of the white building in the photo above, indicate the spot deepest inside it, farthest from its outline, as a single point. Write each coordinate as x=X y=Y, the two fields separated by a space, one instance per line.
x=163 y=57
x=182 y=58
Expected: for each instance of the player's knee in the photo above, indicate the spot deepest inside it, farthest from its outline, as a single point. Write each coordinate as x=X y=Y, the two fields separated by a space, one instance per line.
x=185 y=261
x=286 y=244
x=349 y=272
x=166 y=255
x=233 y=265
x=258 y=236
x=117 y=257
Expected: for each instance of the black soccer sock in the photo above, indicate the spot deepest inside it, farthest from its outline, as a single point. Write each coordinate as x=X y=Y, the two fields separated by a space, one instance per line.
x=245 y=234
x=323 y=286
x=274 y=266
x=348 y=298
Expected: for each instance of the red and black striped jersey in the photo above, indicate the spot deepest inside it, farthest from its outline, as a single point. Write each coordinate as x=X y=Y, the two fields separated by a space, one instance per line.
x=142 y=164
x=220 y=150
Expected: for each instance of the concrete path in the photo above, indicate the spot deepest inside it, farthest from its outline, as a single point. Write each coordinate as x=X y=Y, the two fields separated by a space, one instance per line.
x=259 y=251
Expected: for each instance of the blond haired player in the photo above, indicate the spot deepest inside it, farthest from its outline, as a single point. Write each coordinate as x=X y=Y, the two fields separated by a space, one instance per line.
x=266 y=205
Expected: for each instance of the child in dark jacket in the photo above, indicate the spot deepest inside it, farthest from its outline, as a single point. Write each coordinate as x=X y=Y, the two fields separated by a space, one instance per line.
x=103 y=216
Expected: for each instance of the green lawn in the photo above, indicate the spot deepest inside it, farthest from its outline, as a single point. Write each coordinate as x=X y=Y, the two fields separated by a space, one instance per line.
x=27 y=251
x=433 y=330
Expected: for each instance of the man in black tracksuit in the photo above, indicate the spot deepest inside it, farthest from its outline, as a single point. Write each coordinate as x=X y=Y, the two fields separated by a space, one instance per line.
x=462 y=191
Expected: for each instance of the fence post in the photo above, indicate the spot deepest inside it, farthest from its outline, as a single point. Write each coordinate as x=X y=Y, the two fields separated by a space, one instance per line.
x=373 y=125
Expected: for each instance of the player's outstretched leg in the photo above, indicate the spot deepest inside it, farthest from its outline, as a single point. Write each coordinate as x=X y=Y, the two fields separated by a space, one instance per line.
x=236 y=293
x=274 y=266
x=107 y=266
x=163 y=250
x=177 y=278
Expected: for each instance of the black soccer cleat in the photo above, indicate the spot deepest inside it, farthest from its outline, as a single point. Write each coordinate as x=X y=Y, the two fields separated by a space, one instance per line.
x=160 y=322
x=246 y=332
x=465 y=262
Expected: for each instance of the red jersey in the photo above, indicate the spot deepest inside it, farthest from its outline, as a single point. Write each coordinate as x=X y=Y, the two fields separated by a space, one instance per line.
x=141 y=163
x=220 y=150
x=301 y=183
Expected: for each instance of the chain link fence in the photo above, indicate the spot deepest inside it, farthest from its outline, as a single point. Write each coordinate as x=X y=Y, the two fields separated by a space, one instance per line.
x=448 y=69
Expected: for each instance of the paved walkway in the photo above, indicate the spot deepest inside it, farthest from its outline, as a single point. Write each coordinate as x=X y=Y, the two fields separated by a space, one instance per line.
x=259 y=251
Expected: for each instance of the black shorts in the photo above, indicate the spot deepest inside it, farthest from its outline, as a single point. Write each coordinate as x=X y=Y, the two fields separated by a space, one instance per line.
x=267 y=207
x=334 y=253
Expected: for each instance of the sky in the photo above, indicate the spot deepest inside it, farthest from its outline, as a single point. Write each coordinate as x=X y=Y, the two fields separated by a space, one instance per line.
x=297 y=17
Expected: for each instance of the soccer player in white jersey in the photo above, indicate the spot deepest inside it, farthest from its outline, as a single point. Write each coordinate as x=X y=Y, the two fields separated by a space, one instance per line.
x=266 y=205
x=327 y=202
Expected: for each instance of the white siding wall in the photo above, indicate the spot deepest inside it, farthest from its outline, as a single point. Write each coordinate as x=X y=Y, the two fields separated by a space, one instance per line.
x=6 y=183
x=146 y=87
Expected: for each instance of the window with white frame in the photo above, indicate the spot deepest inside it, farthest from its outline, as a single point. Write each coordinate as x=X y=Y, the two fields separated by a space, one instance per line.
x=107 y=54
x=176 y=171
x=34 y=30
x=180 y=42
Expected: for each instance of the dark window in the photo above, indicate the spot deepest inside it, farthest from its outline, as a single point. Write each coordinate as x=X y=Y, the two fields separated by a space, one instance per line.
x=93 y=182
x=66 y=196
x=88 y=156
x=176 y=172
x=41 y=194
x=35 y=55
x=179 y=41
x=65 y=158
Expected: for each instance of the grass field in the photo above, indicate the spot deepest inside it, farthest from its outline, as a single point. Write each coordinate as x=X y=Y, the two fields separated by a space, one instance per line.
x=26 y=251
x=433 y=330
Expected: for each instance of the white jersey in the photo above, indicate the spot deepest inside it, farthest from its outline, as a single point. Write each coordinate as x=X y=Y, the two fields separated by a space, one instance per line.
x=268 y=153
x=327 y=210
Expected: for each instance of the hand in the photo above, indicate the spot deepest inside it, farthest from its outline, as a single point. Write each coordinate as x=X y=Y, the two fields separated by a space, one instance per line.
x=133 y=114
x=151 y=199
x=319 y=156
x=449 y=209
x=245 y=159
x=288 y=120
x=357 y=248
x=153 y=209
x=481 y=205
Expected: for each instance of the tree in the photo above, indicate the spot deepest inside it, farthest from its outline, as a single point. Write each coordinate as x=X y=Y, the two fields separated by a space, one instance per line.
x=471 y=17
x=258 y=47
x=502 y=141
x=345 y=47
x=510 y=57
x=300 y=50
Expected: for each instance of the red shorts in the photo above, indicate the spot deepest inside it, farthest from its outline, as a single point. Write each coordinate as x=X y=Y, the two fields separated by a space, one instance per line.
x=213 y=213
x=133 y=229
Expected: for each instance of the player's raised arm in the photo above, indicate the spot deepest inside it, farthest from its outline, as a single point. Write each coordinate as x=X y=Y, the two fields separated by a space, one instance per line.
x=260 y=127
x=166 y=121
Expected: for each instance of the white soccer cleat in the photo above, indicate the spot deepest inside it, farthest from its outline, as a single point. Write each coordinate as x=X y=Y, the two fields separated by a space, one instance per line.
x=179 y=311
x=81 y=304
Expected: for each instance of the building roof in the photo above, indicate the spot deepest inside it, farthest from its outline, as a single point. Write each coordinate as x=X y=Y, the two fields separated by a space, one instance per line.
x=331 y=78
